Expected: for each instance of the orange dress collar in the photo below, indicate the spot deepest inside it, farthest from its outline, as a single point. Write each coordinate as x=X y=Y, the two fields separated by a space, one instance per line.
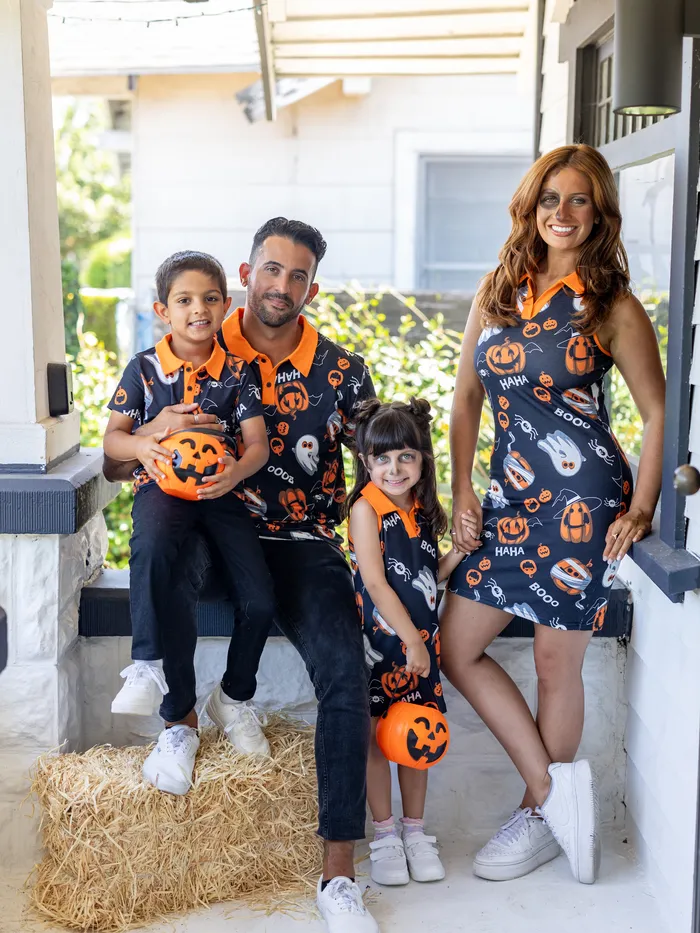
x=383 y=505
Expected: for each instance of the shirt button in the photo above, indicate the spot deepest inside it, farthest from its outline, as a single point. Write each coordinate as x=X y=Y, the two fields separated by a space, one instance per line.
x=268 y=385
x=263 y=360
x=188 y=369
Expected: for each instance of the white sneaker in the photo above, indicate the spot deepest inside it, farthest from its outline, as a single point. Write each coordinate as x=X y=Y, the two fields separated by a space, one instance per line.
x=422 y=856
x=520 y=846
x=340 y=905
x=571 y=812
x=170 y=765
x=388 y=861
x=240 y=722
x=143 y=691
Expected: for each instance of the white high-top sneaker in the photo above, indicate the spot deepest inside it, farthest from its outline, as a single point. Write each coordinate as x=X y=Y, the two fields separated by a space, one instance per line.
x=143 y=691
x=571 y=812
x=520 y=846
x=170 y=765
x=240 y=722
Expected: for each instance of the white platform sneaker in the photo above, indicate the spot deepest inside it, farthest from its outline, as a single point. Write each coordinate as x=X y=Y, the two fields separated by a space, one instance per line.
x=340 y=905
x=388 y=861
x=571 y=812
x=520 y=846
x=143 y=691
x=170 y=765
x=422 y=856
x=240 y=722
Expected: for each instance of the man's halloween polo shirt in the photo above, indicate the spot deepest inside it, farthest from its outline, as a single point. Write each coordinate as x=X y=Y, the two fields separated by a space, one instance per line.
x=224 y=386
x=308 y=402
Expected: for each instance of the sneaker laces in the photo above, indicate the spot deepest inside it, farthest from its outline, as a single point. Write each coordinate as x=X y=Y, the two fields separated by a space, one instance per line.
x=176 y=737
x=248 y=718
x=513 y=828
x=346 y=896
x=143 y=670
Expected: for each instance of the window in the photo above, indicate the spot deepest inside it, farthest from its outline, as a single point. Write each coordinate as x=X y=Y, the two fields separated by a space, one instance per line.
x=463 y=218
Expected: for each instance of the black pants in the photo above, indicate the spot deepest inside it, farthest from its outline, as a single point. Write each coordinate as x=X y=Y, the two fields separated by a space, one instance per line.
x=163 y=626
x=317 y=613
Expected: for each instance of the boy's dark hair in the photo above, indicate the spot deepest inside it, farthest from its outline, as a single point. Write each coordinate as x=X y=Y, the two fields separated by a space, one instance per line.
x=185 y=261
x=380 y=427
x=294 y=230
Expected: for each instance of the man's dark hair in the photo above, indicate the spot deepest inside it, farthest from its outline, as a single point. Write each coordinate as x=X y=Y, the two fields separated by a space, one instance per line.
x=294 y=230
x=185 y=261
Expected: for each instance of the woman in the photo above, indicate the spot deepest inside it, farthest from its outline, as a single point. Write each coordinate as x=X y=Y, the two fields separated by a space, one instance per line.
x=559 y=515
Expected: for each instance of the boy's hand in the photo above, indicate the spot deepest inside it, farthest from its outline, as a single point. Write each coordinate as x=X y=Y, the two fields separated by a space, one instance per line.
x=417 y=659
x=149 y=452
x=223 y=482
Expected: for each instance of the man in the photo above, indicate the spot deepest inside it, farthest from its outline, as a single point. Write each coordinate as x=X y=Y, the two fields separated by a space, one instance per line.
x=310 y=388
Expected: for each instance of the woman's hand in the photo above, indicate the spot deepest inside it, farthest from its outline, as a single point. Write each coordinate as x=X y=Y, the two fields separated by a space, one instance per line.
x=224 y=482
x=467 y=522
x=149 y=452
x=624 y=532
x=417 y=658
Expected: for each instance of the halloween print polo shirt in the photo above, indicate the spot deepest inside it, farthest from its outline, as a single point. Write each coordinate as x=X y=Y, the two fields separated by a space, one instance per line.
x=224 y=386
x=308 y=402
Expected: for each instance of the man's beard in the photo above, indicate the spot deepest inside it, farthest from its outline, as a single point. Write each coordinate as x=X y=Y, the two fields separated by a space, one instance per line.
x=273 y=317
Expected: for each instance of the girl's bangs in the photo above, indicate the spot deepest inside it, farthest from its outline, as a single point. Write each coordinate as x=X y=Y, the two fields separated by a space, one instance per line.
x=392 y=430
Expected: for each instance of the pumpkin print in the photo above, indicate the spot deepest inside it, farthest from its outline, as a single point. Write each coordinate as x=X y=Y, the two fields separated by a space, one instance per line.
x=473 y=577
x=599 y=617
x=550 y=323
x=531 y=329
x=283 y=428
x=329 y=477
x=399 y=682
x=120 y=396
x=437 y=689
x=503 y=420
x=626 y=487
x=512 y=530
x=294 y=502
x=546 y=380
x=343 y=362
x=543 y=550
x=413 y=735
x=571 y=576
x=360 y=607
x=485 y=564
x=339 y=495
x=576 y=523
x=277 y=445
x=291 y=398
x=542 y=394
x=506 y=359
x=503 y=401
x=532 y=505
x=580 y=355
x=195 y=459
x=436 y=643
x=335 y=377
x=517 y=470
x=528 y=567
x=545 y=495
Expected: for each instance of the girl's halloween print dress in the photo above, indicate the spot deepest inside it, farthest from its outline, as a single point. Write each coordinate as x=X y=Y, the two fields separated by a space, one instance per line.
x=411 y=568
x=558 y=476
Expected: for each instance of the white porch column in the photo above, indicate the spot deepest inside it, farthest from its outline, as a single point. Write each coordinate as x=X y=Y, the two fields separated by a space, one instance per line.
x=31 y=314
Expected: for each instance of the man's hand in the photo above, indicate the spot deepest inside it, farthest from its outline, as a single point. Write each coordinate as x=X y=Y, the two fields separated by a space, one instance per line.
x=223 y=482
x=176 y=417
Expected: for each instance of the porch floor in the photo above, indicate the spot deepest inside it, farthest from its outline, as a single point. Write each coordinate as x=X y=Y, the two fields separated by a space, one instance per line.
x=547 y=901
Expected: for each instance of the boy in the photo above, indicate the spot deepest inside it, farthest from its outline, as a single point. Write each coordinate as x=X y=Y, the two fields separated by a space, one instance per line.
x=188 y=365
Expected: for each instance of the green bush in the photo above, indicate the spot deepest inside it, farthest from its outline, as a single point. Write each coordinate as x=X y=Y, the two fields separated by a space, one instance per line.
x=100 y=318
x=108 y=263
x=72 y=307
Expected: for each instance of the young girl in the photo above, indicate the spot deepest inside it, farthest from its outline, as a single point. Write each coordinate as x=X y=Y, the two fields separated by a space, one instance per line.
x=396 y=522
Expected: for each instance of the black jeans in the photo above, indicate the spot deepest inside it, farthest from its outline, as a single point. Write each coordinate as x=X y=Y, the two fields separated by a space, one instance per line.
x=317 y=613
x=163 y=626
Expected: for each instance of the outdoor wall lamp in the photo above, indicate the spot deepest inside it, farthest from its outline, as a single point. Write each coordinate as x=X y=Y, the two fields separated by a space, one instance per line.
x=648 y=54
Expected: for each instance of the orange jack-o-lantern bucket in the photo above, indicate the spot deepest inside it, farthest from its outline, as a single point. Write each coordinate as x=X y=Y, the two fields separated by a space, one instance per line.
x=413 y=735
x=196 y=453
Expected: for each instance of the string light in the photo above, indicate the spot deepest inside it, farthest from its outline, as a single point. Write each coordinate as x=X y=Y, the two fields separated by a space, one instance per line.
x=66 y=17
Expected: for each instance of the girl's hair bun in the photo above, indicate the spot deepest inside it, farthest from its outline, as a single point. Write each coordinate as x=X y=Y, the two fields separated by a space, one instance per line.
x=420 y=409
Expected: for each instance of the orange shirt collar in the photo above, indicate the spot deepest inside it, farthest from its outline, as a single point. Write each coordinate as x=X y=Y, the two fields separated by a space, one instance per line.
x=302 y=357
x=531 y=307
x=383 y=505
x=171 y=363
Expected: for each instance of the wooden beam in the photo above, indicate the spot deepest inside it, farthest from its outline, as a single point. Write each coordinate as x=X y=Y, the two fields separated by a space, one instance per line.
x=461 y=25
x=401 y=48
x=267 y=70
x=347 y=9
x=374 y=67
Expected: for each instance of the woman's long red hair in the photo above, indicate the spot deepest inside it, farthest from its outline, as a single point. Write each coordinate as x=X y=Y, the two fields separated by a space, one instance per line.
x=602 y=262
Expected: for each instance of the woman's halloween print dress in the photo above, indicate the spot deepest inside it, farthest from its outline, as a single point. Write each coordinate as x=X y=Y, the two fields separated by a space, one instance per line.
x=411 y=568
x=558 y=476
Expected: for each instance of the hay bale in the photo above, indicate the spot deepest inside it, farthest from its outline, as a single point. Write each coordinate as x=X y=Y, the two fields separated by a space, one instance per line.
x=119 y=853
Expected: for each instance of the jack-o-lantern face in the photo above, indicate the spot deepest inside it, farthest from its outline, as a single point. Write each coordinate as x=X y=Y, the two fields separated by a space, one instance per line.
x=294 y=502
x=473 y=577
x=542 y=394
x=398 y=682
x=531 y=329
x=196 y=453
x=339 y=495
x=599 y=617
x=120 y=396
x=550 y=324
x=485 y=564
x=580 y=355
x=528 y=567
x=436 y=645
x=343 y=362
x=543 y=550
x=335 y=377
x=546 y=380
x=571 y=576
x=506 y=359
x=503 y=402
x=576 y=523
x=283 y=428
x=277 y=445
x=545 y=495
x=512 y=530
x=626 y=487
x=413 y=735
x=291 y=397
x=503 y=420
x=532 y=505
x=437 y=690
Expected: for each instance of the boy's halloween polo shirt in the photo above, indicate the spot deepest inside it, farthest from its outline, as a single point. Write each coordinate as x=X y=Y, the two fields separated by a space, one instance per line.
x=308 y=402
x=224 y=386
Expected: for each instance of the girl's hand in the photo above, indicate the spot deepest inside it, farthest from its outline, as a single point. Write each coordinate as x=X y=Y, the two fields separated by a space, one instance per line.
x=467 y=521
x=624 y=532
x=224 y=482
x=417 y=659
x=149 y=452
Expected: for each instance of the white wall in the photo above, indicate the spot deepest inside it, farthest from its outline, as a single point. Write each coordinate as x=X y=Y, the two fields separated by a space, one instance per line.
x=204 y=178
